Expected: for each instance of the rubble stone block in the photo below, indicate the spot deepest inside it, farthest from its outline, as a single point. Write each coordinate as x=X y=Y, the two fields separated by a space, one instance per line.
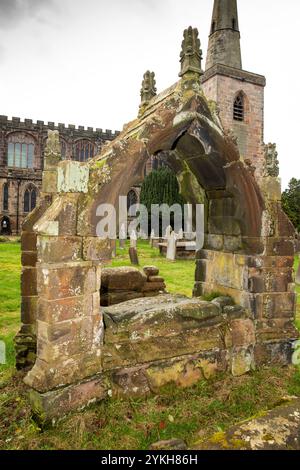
x=124 y=278
x=156 y=279
x=51 y=406
x=153 y=286
x=242 y=361
x=274 y=353
x=151 y=271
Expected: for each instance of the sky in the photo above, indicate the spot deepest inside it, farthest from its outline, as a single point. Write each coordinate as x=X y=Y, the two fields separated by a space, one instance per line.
x=82 y=62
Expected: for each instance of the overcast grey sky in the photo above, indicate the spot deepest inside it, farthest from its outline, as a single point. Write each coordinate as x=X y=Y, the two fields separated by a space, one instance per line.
x=81 y=61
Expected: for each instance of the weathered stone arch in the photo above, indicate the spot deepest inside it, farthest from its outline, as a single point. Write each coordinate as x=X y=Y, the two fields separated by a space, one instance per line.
x=248 y=252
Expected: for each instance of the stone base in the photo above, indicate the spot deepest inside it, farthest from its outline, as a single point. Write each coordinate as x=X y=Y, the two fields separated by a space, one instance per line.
x=151 y=343
x=185 y=371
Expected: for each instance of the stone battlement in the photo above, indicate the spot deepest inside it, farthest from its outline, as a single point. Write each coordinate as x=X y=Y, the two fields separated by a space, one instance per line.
x=29 y=124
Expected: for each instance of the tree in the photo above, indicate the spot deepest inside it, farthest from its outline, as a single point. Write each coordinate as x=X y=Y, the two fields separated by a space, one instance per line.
x=161 y=187
x=291 y=202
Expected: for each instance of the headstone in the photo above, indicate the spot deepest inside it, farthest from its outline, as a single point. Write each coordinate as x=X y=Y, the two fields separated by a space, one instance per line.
x=168 y=232
x=171 y=249
x=180 y=234
x=298 y=275
x=123 y=236
x=134 y=259
x=133 y=239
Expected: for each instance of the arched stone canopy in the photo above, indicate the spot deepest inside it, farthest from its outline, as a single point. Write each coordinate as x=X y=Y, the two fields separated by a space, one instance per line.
x=248 y=252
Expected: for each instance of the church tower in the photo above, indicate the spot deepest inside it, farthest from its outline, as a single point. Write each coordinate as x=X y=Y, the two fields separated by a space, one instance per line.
x=239 y=94
x=224 y=40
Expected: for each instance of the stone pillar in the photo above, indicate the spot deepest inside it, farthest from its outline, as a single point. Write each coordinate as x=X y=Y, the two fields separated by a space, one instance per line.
x=25 y=340
x=69 y=325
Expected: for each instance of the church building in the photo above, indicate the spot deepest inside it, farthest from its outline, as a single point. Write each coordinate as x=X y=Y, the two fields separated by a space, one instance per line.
x=239 y=99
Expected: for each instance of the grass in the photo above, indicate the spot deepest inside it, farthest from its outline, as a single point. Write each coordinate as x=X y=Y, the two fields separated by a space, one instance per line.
x=189 y=414
x=10 y=270
x=179 y=276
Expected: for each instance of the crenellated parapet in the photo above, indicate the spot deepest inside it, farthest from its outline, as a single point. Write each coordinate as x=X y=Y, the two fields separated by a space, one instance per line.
x=15 y=123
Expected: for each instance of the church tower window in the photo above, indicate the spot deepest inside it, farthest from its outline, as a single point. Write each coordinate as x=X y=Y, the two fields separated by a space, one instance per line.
x=239 y=108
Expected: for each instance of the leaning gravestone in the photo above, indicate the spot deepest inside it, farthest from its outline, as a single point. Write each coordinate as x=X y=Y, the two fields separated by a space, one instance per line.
x=133 y=239
x=171 y=249
x=134 y=259
x=133 y=254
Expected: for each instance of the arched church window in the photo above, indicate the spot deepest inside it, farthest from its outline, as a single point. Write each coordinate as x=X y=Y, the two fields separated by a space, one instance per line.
x=20 y=151
x=239 y=108
x=213 y=27
x=5 y=197
x=131 y=199
x=233 y=23
x=29 y=199
x=83 y=151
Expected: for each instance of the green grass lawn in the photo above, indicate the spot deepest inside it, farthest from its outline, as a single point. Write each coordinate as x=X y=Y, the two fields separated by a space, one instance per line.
x=10 y=269
x=189 y=414
x=179 y=276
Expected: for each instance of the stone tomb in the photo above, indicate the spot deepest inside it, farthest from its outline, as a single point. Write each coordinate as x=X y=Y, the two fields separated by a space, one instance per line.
x=74 y=353
x=123 y=284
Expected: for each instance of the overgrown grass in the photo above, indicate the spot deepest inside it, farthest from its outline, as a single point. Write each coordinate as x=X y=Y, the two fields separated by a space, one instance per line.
x=123 y=424
x=189 y=414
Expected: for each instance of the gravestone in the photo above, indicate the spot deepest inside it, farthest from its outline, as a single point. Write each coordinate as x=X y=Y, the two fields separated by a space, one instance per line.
x=168 y=232
x=171 y=250
x=133 y=239
x=180 y=234
x=133 y=254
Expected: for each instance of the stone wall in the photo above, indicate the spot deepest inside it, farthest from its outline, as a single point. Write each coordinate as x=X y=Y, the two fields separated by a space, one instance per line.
x=18 y=179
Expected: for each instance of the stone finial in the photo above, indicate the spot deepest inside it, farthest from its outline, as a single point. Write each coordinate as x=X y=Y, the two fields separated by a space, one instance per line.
x=271 y=166
x=191 y=53
x=52 y=150
x=148 y=90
